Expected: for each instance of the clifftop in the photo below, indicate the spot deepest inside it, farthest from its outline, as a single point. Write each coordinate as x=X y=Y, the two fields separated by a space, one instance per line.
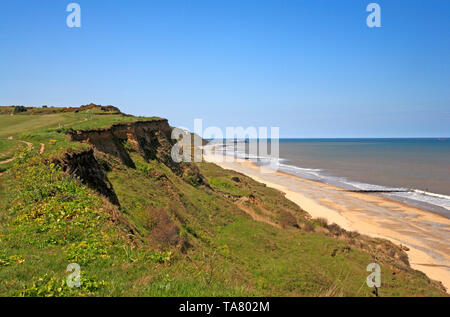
x=93 y=108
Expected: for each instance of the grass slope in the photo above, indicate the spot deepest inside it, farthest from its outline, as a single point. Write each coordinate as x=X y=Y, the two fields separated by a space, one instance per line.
x=168 y=237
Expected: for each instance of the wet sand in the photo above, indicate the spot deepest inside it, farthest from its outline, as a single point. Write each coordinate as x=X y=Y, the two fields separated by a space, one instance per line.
x=426 y=234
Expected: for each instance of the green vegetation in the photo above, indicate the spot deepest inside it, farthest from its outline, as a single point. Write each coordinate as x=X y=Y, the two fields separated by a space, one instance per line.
x=170 y=236
x=225 y=185
x=47 y=126
x=8 y=148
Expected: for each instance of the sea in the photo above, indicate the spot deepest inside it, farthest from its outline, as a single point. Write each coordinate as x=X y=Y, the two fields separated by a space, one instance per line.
x=412 y=171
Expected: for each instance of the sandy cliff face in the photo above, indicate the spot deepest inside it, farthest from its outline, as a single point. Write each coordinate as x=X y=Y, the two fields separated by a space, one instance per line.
x=151 y=139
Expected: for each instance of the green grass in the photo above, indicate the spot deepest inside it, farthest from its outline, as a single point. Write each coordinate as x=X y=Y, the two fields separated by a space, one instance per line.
x=226 y=185
x=105 y=121
x=53 y=220
x=49 y=129
x=206 y=245
x=17 y=124
x=8 y=148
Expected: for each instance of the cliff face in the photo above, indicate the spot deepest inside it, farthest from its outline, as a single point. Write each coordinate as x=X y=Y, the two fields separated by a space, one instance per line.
x=86 y=167
x=151 y=139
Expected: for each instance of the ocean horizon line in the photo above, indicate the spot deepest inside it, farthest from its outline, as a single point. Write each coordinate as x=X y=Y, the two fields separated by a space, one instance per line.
x=438 y=138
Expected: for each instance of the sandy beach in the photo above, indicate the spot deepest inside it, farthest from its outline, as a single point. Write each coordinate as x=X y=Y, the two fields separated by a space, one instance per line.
x=426 y=234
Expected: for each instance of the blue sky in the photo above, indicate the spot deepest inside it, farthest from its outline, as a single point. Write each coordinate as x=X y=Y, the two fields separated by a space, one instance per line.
x=311 y=67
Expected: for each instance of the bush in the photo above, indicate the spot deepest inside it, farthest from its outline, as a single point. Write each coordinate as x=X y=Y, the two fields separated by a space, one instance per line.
x=288 y=220
x=322 y=222
x=335 y=229
x=19 y=109
x=164 y=232
x=308 y=227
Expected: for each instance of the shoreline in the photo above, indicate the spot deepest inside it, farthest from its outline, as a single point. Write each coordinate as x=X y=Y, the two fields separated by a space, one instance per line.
x=425 y=233
x=393 y=200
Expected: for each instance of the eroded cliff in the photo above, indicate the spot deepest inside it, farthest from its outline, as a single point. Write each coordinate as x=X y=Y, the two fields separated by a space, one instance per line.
x=151 y=139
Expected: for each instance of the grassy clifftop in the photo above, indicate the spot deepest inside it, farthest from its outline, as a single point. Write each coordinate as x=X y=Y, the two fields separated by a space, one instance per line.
x=171 y=230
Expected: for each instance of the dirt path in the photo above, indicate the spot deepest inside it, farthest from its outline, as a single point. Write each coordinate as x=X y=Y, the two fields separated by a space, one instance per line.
x=7 y=161
x=30 y=147
x=253 y=214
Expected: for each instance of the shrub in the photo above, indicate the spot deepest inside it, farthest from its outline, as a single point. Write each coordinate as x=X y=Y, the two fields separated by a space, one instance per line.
x=288 y=220
x=165 y=232
x=308 y=227
x=19 y=109
x=322 y=222
x=335 y=229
